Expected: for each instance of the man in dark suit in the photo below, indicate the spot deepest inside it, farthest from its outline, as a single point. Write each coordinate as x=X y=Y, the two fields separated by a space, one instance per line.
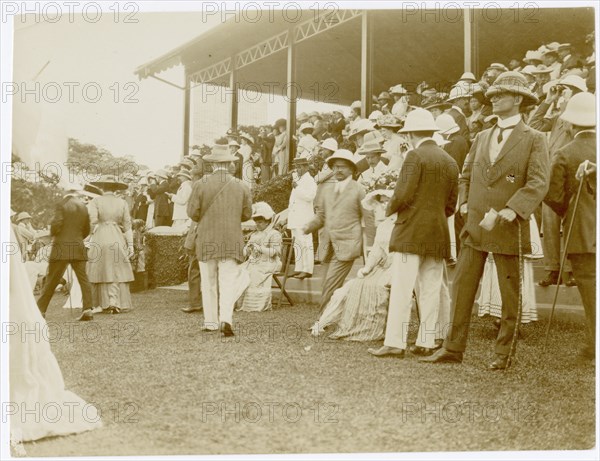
x=163 y=212
x=424 y=198
x=70 y=225
x=507 y=171
x=573 y=163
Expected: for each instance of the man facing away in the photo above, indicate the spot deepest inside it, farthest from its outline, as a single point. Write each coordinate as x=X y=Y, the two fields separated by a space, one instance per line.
x=219 y=204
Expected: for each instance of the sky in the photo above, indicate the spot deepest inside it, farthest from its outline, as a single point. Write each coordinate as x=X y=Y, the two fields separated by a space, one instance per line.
x=86 y=87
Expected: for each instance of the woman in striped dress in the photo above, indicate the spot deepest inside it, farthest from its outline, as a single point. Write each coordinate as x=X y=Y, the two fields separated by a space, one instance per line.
x=263 y=250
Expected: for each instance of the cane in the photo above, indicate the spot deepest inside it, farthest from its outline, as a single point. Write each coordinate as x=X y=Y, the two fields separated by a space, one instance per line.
x=562 y=261
x=513 y=342
x=70 y=283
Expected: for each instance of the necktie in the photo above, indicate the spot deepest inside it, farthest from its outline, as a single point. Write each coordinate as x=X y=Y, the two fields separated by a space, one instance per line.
x=502 y=130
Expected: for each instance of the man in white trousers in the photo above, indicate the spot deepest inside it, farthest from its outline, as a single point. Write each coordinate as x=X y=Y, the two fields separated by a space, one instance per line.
x=424 y=197
x=300 y=213
x=219 y=204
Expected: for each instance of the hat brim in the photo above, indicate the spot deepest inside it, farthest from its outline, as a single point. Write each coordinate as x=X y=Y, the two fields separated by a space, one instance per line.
x=442 y=105
x=529 y=97
x=374 y=151
x=110 y=185
x=332 y=159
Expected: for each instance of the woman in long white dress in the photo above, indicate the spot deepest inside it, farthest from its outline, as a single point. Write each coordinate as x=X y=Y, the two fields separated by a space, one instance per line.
x=358 y=310
x=111 y=247
x=490 y=300
x=36 y=382
x=263 y=250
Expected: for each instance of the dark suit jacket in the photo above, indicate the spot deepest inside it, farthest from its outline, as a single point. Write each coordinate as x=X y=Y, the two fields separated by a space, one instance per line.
x=518 y=180
x=457 y=149
x=161 y=201
x=70 y=225
x=564 y=186
x=461 y=121
x=424 y=198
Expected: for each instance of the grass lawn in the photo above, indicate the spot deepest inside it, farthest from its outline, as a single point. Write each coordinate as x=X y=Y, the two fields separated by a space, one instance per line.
x=166 y=388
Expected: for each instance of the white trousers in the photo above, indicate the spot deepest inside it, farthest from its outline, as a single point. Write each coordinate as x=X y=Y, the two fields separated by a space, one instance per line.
x=222 y=283
x=304 y=251
x=406 y=270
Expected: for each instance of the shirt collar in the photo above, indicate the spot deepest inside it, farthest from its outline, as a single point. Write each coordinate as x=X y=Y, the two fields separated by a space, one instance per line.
x=590 y=130
x=510 y=121
x=421 y=141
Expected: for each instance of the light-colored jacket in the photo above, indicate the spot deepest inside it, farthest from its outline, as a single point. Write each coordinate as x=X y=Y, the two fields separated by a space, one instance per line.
x=341 y=215
x=180 y=200
x=300 y=209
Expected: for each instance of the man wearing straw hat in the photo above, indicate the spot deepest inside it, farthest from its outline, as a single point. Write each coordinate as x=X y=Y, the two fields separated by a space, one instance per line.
x=424 y=198
x=573 y=163
x=219 y=204
x=503 y=181
x=340 y=212
x=70 y=226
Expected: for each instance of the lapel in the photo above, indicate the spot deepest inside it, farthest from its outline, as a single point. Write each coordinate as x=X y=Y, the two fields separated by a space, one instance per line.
x=338 y=198
x=516 y=136
x=486 y=137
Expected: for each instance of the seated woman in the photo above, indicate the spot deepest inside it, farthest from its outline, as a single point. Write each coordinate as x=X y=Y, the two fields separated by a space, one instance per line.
x=263 y=250
x=358 y=310
x=490 y=300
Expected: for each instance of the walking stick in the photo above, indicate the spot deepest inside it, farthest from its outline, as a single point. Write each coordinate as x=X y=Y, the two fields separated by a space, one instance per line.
x=70 y=283
x=562 y=262
x=513 y=342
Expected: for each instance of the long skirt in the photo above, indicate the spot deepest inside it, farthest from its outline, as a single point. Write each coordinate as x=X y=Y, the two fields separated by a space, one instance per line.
x=114 y=294
x=257 y=297
x=358 y=310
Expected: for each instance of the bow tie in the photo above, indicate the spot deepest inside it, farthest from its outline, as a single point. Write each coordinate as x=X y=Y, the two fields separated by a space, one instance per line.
x=502 y=130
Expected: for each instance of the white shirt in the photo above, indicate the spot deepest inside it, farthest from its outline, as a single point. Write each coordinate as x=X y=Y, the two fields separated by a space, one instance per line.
x=495 y=146
x=180 y=200
x=341 y=185
x=300 y=207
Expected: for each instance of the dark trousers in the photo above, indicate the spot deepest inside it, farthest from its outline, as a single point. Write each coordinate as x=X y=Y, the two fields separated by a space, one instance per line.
x=194 y=282
x=459 y=222
x=56 y=269
x=335 y=274
x=469 y=270
x=162 y=221
x=584 y=271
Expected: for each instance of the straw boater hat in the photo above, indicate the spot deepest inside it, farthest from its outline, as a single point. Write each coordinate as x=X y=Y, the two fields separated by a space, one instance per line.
x=262 y=210
x=220 y=154
x=329 y=144
x=512 y=82
x=306 y=126
x=342 y=154
x=581 y=110
x=109 y=182
x=447 y=124
x=419 y=120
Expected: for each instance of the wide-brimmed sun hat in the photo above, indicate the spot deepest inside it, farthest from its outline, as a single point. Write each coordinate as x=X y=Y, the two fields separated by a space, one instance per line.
x=220 y=154
x=532 y=55
x=342 y=154
x=512 y=82
x=581 y=110
x=360 y=126
x=262 y=210
x=110 y=183
x=329 y=144
x=419 y=120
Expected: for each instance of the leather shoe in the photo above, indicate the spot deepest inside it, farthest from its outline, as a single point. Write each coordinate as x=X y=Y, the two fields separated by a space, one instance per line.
x=86 y=316
x=422 y=351
x=302 y=275
x=443 y=356
x=499 y=363
x=226 y=329
x=188 y=310
x=570 y=280
x=386 y=351
x=550 y=279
